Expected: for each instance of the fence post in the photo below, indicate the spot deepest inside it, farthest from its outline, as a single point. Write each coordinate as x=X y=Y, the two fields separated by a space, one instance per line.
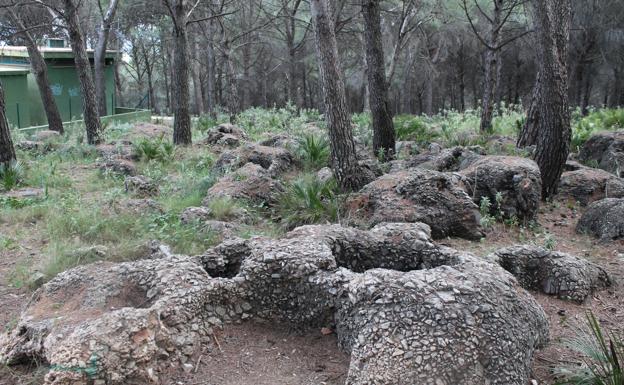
x=19 y=124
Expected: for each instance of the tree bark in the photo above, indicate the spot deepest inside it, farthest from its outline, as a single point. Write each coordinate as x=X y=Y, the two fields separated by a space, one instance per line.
x=343 y=154
x=83 y=68
x=549 y=119
x=492 y=58
x=182 y=133
x=232 y=100
x=40 y=70
x=7 y=152
x=383 y=127
x=199 y=100
x=99 y=55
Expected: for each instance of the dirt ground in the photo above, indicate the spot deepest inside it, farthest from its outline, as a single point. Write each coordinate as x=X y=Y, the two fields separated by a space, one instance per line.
x=267 y=355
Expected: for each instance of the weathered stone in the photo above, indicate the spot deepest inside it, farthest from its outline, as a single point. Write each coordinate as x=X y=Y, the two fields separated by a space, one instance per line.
x=33 y=146
x=449 y=159
x=417 y=195
x=273 y=159
x=551 y=272
x=118 y=166
x=517 y=180
x=325 y=174
x=46 y=135
x=250 y=182
x=605 y=150
x=226 y=135
x=586 y=185
x=139 y=206
x=400 y=327
x=141 y=186
x=603 y=219
x=195 y=215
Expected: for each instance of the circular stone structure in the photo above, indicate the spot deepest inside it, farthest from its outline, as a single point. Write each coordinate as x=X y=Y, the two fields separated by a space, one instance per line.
x=406 y=309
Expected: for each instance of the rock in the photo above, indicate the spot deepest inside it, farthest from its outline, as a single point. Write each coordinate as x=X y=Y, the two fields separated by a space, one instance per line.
x=417 y=195
x=250 y=182
x=606 y=151
x=221 y=228
x=225 y=135
x=35 y=147
x=195 y=215
x=586 y=185
x=121 y=149
x=399 y=327
x=603 y=219
x=89 y=254
x=46 y=135
x=141 y=186
x=449 y=159
x=118 y=166
x=325 y=174
x=139 y=206
x=36 y=279
x=25 y=193
x=551 y=272
x=281 y=140
x=273 y=159
x=149 y=130
x=517 y=180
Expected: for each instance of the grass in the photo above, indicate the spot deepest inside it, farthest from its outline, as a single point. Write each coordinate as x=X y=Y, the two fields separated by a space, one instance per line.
x=78 y=207
x=11 y=175
x=307 y=201
x=158 y=149
x=314 y=151
x=602 y=357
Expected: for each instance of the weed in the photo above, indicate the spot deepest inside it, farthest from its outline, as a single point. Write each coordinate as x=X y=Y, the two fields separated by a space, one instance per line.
x=314 y=151
x=307 y=201
x=487 y=220
x=154 y=149
x=603 y=355
x=11 y=175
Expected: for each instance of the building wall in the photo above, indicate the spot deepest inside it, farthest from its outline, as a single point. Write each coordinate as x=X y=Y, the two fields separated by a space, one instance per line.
x=17 y=100
x=66 y=89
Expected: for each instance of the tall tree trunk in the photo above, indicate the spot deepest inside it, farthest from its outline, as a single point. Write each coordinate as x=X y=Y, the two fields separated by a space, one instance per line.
x=199 y=100
x=210 y=99
x=551 y=121
x=182 y=117
x=7 y=152
x=233 y=103
x=343 y=154
x=383 y=128
x=492 y=58
x=83 y=68
x=40 y=70
x=99 y=55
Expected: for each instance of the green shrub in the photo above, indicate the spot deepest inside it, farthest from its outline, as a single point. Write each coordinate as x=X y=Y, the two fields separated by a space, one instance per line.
x=410 y=127
x=314 y=151
x=205 y=123
x=603 y=357
x=308 y=201
x=154 y=149
x=11 y=175
x=223 y=209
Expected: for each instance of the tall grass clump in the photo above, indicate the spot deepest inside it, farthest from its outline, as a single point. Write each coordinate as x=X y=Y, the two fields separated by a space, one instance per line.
x=11 y=175
x=308 y=200
x=603 y=357
x=314 y=151
x=154 y=149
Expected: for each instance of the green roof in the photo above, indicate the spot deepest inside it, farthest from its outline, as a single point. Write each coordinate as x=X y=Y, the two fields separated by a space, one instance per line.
x=13 y=70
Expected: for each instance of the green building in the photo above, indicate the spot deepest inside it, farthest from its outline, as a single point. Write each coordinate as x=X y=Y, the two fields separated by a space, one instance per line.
x=23 y=102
